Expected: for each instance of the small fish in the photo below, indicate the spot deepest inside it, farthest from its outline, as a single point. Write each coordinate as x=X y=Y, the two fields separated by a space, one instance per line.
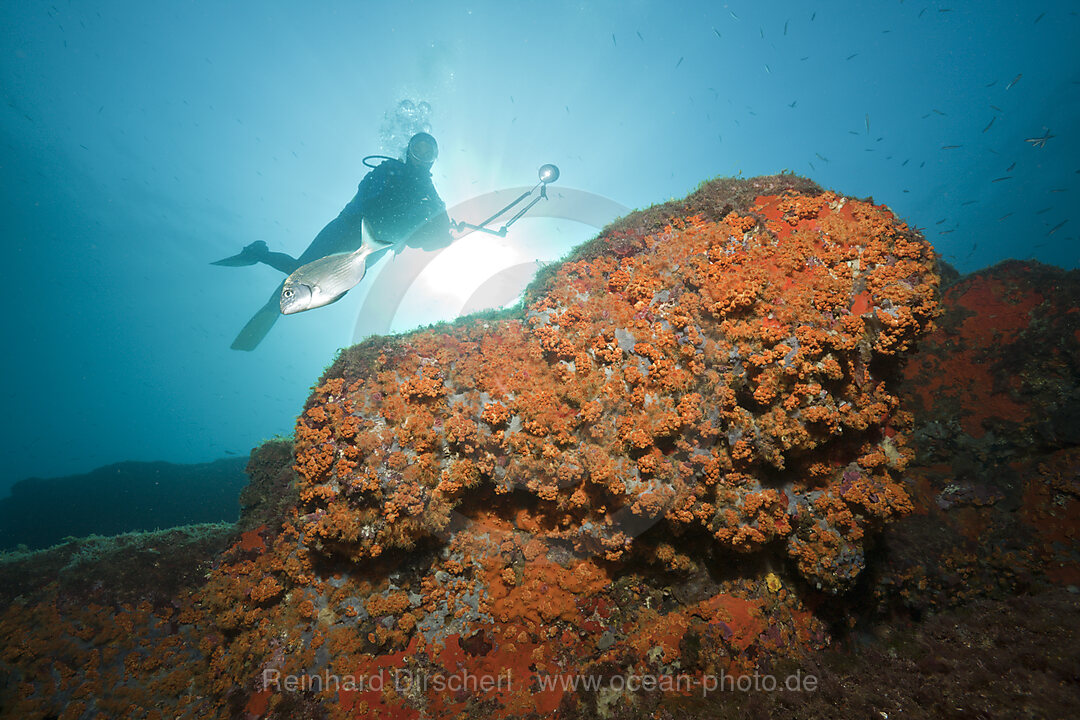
x=905 y=162
x=1004 y=216
x=733 y=15
x=1009 y=169
x=1014 y=81
x=613 y=40
x=767 y=69
x=1003 y=177
x=639 y=36
x=921 y=12
x=852 y=55
x=792 y=103
x=938 y=112
x=785 y=26
x=990 y=85
x=1039 y=141
x=1041 y=16
x=995 y=107
x=679 y=63
x=1056 y=227
x=327 y=279
x=717 y=32
x=762 y=30
x=950 y=147
x=813 y=15
x=1044 y=210
x=867 y=123
x=989 y=123
x=822 y=157
x=969 y=202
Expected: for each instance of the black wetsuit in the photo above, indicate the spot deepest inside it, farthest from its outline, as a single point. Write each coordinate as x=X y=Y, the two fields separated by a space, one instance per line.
x=400 y=204
x=401 y=207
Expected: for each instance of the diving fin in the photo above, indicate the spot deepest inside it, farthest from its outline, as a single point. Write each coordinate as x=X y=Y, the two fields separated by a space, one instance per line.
x=260 y=323
x=250 y=255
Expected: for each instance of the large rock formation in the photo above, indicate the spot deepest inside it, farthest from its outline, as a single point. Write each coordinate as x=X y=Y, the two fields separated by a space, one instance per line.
x=663 y=475
x=722 y=376
x=697 y=393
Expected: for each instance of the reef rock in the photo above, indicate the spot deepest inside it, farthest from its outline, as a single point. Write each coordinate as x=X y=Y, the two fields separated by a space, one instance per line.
x=725 y=376
x=995 y=391
x=664 y=465
x=599 y=480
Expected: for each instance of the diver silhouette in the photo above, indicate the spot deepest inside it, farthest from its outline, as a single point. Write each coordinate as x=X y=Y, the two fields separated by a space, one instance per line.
x=400 y=207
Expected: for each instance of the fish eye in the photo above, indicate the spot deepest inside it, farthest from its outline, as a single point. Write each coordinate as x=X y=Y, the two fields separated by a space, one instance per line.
x=287 y=293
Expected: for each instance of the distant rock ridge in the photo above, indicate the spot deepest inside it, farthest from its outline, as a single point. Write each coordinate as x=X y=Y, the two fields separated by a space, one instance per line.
x=119 y=498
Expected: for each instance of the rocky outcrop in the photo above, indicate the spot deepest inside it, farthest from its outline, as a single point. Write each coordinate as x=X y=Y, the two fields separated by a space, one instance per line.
x=704 y=451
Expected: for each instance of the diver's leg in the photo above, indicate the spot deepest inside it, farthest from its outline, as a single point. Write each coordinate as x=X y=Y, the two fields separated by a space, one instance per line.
x=258 y=252
x=250 y=255
x=260 y=323
x=280 y=262
x=339 y=235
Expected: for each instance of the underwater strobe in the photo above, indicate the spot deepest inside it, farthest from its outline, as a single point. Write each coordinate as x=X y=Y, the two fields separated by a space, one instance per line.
x=548 y=173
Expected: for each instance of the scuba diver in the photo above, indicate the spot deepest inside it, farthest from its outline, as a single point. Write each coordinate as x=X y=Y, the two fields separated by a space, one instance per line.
x=395 y=205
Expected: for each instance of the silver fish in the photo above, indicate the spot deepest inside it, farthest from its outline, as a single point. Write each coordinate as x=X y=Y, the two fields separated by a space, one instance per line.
x=1039 y=141
x=327 y=279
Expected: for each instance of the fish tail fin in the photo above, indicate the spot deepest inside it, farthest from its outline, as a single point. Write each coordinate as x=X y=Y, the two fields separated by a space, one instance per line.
x=368 y=240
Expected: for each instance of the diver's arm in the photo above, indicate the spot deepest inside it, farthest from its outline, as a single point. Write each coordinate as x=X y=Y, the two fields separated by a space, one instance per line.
x=439 y=223
x=436 y=229
x=433 y=234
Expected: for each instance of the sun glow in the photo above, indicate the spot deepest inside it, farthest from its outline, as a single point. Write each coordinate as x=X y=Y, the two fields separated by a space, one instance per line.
x=453 y=276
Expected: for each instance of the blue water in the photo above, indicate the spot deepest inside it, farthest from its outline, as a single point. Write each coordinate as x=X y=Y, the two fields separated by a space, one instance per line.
x=140 y=141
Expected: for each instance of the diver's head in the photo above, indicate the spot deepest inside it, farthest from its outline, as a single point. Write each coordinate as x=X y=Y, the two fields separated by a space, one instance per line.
x=422 y=150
